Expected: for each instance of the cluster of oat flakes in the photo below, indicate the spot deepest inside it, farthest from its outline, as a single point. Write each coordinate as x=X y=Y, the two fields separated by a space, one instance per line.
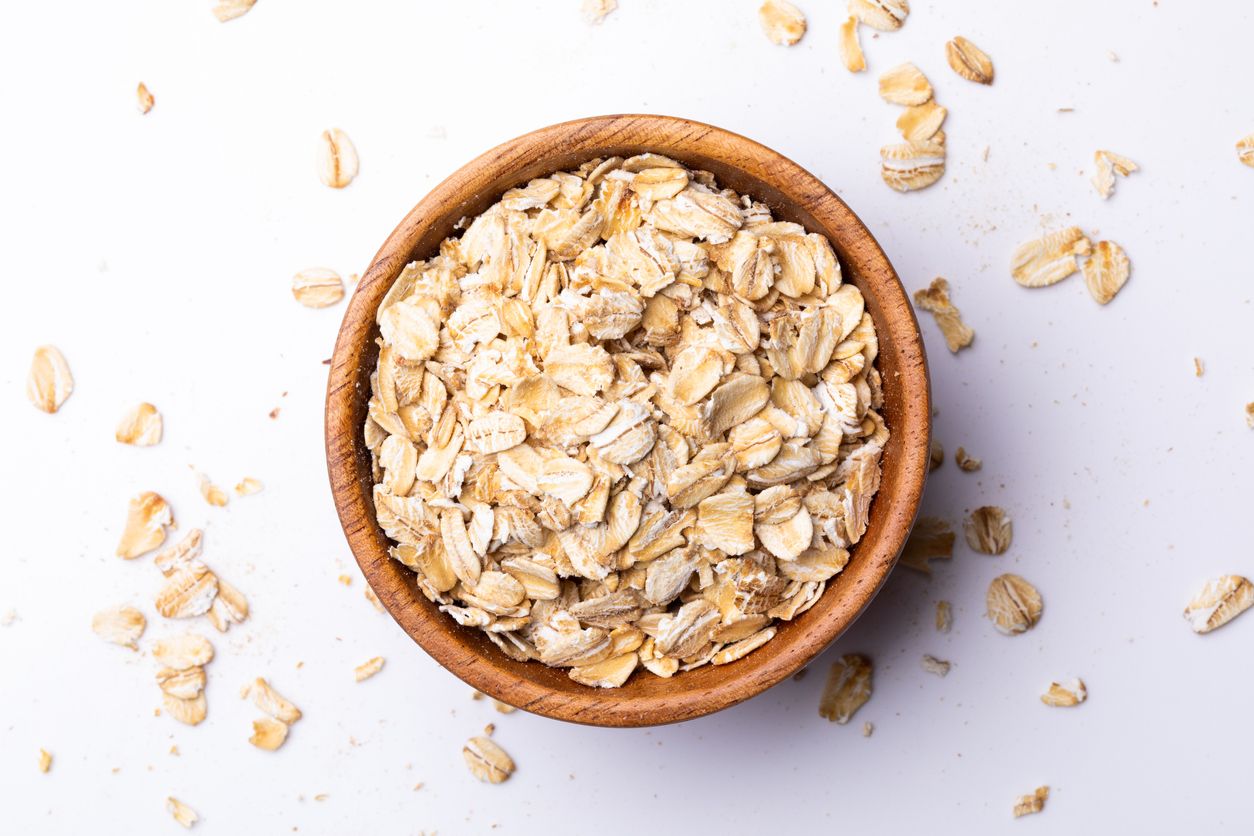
x=627 y=419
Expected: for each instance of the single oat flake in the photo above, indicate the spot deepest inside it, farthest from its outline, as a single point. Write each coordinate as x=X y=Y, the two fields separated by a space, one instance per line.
x=969 y=61
x=337 y=159
x=49 y=382
x=1106 y=271
x=1065 y=694
x=910 y=166
x=1249 y=414
x=966 y=462
x=182 y=814
x=847 y=689
x=940 y=667
x=1199 y=369
x=936 y=455
x=1048 y=259
x=850 y=47
x=45 y=761
x=248 y=486
x=268 y=733
x=922 y=123
x=935 y=300
x=1108 y=165
x=120 y=625
x=487 y=761
x=783 y=23
x=214 y=495
x=368 y=669
x=1245 y=150
x=1034 y=803
x=905 y=85
x=1014 y=605
x=1220 y=601
x=317 y=287
x=595 y=11
x=884 y=15
x=141 y=426
x=944 y=616
x=147 y=517
x=144 y=97
x=988 y=530
x=932 y=538
x=272 y=702
x=230 y=9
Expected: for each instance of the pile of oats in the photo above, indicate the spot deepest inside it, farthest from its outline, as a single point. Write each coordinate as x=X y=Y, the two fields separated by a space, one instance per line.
x=627 y=419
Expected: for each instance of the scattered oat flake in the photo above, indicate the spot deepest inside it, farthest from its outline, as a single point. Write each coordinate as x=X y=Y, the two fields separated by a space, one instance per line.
x=595 y=11
x=850 y=47
x=935 y=300
x=1249 y=415
x=45 y=761
x=337 y=159
x=937 y=666
x=988 y=530
x=944 y=616
x=141 y=426
x=905 y=85
x=1245 y=150
x=1048 y=259
x=921 y=123
x=214 y=495
x=966 y=462
x=144 y=97
x=1199 y=369
x=503 y=707
x=120 y=625
x=268 y=733
x=1034 y=803
x=346 y=580
x=368 y=669
x=884 y=15
x=374 y=600
x=1106 y=271
x=183 y=814
x=969 y=61
x=931 y=539
x=867 y=728
x=184 y=651
x=248 y=486
x=1014 y=605
x=1220 y=601
x=317 y=287
x=783 y=23
x=1065 y=694
x=1108 y=165
x=847 y=689
x=487 y=761
x=49 y=382
x=936 y=457
x=147 y=517
x=272 y=702
x=489 y=729
x=910 y=166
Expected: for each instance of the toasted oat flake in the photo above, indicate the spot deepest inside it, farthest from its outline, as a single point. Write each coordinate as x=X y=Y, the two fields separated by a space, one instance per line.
x=932 y=538
x=1065 y=694
x=230 y=9
x=214 y=495
x=337 y=159
x=847 y=689
x=49 y=382
x=487 y=761
x=783 y=23
x=1048 y=259
x=944 y=616
x=1199 y=369
x=1034 y=803
x=183 y=814
x=940 y=667
x=141 y=426
x=595 y=11
x=850 y=47
x=1245 y=150
x=184 y=651
x=45 y=761
x=988 y=530
x=910 y=166
x=147 y=517
x=120 y=625
x=922 y=122
x=268 y=733
x=189 y=712
x=272 y=702
x=248 y=486
x=935 y=300
x=1220 y=601
x=905 y=85
x=368 y=669
x=969 y=61
x=967 y=462
x=1014 y=605
x=1106 y=271
x=317 y=287
x=144 y=98
x=1109 y=164
x=884 y=15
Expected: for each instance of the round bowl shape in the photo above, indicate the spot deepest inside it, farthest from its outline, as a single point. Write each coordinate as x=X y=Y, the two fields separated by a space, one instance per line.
x=793 y=194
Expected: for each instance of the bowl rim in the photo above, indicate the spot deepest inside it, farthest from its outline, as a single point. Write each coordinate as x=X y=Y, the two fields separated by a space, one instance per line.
x=894 y=514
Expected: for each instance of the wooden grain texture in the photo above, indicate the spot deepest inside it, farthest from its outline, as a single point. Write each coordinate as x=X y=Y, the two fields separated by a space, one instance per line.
x=793 y=195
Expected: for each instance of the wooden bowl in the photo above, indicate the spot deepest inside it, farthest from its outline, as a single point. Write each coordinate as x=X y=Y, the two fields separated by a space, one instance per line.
x=793 y=195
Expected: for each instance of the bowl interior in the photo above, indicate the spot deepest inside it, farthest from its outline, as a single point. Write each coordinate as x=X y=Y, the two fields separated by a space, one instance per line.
x=793 y=195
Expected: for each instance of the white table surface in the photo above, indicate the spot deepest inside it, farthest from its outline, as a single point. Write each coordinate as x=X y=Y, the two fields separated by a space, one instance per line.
x=156 y=252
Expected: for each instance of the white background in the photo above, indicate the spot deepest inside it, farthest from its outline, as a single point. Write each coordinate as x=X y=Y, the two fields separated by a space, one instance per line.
x=156 y=252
